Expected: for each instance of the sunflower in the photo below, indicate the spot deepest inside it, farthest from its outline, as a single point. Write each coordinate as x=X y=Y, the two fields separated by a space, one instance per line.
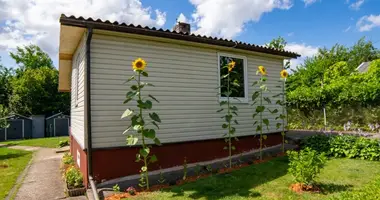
x=139 y=64
x=284 y=74
x=262 y=70
x=231 y=66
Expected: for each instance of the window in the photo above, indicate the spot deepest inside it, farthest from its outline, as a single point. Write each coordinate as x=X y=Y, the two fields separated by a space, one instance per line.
x=240 y=92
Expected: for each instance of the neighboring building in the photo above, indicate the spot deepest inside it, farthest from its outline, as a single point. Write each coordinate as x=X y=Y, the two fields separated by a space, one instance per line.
x=95 y=61
x=20 y=127
x=57 y=125
x=363 y=68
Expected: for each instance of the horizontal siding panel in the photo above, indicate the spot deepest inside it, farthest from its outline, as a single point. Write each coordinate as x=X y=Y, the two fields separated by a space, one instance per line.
x=185 y=80
x=77 y=111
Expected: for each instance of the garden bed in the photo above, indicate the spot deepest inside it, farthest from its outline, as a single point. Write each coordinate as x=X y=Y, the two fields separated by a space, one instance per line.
x=270 y=180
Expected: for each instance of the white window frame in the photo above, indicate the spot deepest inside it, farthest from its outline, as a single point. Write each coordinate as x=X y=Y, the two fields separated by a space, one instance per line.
x=238 y=99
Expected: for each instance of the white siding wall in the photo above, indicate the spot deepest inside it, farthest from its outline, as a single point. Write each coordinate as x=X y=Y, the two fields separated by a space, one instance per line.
x=185 y=80
x=77 y=103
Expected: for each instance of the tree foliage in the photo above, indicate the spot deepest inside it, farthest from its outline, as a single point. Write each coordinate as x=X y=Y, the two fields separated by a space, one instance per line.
x=330 y=78
x=277 y=43
x=35 y=92
x=31 y=57
x=32 y=88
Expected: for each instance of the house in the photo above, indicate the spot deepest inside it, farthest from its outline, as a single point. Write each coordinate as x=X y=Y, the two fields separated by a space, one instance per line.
x=95 y=61
x=363 y=67
x=19 y=127
x=57 y=125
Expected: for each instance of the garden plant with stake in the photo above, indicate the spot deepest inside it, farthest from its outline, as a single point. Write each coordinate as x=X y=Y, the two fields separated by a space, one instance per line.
x=226 y=90
x=261 y=108
x=283 y=115
x=140 y=127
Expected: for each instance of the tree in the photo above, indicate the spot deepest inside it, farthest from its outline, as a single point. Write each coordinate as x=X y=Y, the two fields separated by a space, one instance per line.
x=3 y=115
x=5 y=77
x=277 y=43
x=35 y=92
x=31 y=57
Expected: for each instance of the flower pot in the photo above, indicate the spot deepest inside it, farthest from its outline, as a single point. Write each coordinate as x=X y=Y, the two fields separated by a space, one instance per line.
x=72 y=192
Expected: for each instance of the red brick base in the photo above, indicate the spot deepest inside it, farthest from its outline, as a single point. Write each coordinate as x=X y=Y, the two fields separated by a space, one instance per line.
x=118 y=162
x=75 y=148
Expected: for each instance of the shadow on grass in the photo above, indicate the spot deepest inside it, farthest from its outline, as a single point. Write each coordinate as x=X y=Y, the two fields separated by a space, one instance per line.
x=237 y=183
x=328 y=188
x=9 y=155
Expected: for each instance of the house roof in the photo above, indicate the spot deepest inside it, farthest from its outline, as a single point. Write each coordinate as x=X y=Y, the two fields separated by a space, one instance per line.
x=363 y=67
x=56 y=115
x=147 y=31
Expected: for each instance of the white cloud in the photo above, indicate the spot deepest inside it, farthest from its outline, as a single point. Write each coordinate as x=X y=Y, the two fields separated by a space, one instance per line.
x=309 y=2
x=302 y=49
x=290 y=34
x=347 y=29
x=356 y=5
x=37 y=21
x=367 y=23
x=226 y=18
x=182 y=18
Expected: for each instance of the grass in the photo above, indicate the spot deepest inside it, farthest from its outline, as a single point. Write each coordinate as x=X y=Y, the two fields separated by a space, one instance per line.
x=270 y=181
x=12 y=163
x=51 y=142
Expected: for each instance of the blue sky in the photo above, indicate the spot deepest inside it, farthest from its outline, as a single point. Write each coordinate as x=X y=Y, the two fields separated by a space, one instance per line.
x=305 y=24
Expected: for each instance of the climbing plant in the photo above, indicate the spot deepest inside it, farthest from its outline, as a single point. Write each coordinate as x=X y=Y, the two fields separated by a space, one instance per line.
x=260 y=108
x=140 y=127
x=231 y=110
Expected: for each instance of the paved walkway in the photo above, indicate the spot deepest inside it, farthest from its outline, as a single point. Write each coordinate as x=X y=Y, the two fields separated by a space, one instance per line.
x=43 y=180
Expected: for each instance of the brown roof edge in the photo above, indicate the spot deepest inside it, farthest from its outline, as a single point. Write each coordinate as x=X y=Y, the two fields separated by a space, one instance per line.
x=116 y=26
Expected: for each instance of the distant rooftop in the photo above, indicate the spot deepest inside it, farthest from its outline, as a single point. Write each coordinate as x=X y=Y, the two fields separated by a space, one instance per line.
x=363 y=68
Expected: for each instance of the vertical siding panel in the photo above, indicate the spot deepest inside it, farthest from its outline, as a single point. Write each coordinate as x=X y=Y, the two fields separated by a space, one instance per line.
x=185 y=80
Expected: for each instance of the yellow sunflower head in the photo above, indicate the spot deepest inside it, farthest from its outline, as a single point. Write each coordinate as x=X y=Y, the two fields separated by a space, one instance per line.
x=139 y=64
x=231 y=66
x=284 y=74
x=262 y=70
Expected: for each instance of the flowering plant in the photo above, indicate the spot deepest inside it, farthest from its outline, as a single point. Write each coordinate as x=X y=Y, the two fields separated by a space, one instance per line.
x=138 y=123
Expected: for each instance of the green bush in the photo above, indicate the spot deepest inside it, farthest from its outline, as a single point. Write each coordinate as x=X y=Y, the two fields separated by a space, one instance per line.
x=370 y=191
x=67 y=159
x=63 y=143
x=305 y=165
x=344 y=146
x=74 y=178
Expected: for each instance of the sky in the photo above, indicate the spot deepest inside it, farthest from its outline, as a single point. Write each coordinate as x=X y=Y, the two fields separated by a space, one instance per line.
x=305 y=24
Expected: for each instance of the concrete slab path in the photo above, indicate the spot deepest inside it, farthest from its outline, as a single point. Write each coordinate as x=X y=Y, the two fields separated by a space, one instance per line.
x=43 y=180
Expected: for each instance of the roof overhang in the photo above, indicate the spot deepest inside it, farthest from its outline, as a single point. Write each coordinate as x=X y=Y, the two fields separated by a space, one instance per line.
x=69 y=39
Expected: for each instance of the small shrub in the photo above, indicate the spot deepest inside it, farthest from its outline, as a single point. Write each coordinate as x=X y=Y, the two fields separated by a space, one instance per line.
x=162 y=179
x=197 y=169
x=344 y=146
x=74 y=178
x=63 y=143
x=67 y=159
x=116 y=188
x=131 y=190
x=305 y=165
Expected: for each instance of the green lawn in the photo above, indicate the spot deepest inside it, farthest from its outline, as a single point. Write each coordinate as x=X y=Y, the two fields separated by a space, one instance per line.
x=270 y=181
x=12 y=163
x=51 y=142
